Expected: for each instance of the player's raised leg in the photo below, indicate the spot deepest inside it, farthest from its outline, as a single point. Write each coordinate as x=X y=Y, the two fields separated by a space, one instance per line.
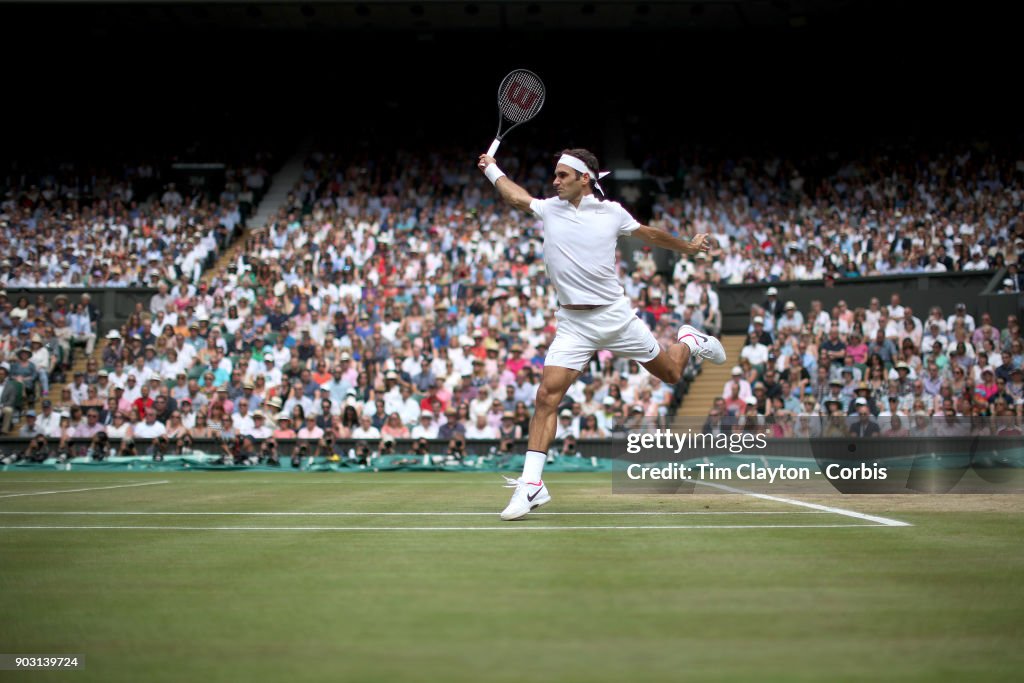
x=530 y=491
x=668 y=366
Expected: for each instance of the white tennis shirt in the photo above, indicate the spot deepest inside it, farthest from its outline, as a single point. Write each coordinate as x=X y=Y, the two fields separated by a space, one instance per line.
x=579 y=247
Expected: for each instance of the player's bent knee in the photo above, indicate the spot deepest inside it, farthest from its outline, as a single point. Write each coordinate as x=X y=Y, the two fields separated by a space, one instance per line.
x=547 y=400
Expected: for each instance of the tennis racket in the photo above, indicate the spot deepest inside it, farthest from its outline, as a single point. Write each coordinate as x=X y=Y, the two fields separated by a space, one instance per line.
x=520 y=97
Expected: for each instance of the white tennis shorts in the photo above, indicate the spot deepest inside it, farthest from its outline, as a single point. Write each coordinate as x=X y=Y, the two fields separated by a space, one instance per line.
x=614 y=327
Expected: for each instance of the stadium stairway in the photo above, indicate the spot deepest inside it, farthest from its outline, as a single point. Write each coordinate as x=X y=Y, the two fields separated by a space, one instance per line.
x=80 y=360
x=281 y=184
x=227 y=257
x=710 y=381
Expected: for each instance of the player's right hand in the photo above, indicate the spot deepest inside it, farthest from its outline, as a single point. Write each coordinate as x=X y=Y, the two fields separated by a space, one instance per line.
x=485 y=161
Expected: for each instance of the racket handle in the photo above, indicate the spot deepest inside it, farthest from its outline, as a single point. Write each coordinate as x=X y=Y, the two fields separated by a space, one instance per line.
x=494 y=147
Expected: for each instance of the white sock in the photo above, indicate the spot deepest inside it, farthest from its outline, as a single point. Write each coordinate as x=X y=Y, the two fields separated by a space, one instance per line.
x=534 y=466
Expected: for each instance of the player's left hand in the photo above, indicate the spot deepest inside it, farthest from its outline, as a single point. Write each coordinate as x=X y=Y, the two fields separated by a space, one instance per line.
x=701 y=243
x=485 y=161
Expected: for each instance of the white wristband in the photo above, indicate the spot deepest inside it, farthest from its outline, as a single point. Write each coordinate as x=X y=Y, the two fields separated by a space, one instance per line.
x=493 y=173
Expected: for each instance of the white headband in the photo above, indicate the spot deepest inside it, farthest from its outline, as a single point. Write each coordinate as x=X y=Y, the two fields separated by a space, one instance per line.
x=577 y=165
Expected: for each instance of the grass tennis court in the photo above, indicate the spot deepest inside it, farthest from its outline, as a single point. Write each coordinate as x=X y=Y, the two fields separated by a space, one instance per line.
x=412 y=577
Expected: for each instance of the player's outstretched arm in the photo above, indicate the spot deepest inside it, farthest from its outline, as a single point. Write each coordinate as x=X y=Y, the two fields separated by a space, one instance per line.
x=660 y=238
x=509 y=191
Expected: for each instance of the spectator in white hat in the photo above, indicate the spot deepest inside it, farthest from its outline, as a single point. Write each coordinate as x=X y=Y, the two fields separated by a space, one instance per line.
x=426 y=427
x=754 y=351
x=772 y=305
x=791 y=322
x=566 y=425
x=736 y=380
x=757 y=328
x=43 y=361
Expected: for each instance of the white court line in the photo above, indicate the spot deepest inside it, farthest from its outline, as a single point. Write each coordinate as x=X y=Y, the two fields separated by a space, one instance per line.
x=97 y=488
x=59 y=480
x=410 y=514
x=883 y=521
x=504 y=527
x=343 y=479
x=365 y=478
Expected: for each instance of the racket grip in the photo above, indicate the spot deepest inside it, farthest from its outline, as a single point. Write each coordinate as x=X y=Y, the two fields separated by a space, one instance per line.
x=494 y=147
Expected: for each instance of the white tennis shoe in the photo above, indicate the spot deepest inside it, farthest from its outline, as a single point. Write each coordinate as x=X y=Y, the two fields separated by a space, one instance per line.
x=527 y=496
x=704 y=345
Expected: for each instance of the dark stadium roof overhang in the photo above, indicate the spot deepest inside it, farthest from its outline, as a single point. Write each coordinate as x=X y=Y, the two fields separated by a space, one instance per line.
x=443 y=15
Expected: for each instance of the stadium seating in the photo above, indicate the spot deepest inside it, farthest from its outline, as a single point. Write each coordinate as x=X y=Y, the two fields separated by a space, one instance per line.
x=406 y=281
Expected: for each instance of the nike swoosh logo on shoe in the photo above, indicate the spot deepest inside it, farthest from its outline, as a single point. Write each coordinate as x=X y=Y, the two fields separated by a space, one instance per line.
x=535 y=494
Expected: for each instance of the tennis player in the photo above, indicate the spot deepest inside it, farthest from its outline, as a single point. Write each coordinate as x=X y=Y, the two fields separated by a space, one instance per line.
x=581 y=231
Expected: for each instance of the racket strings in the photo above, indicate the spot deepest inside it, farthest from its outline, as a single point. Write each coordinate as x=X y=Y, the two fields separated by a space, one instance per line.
x=521 y=96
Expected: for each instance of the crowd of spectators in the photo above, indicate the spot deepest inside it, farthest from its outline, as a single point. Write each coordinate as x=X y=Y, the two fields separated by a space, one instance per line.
x=899 y=210
x=412 y=307
x=78 y=227
x=37 y=340
x=884 y=368
x=400 y=299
